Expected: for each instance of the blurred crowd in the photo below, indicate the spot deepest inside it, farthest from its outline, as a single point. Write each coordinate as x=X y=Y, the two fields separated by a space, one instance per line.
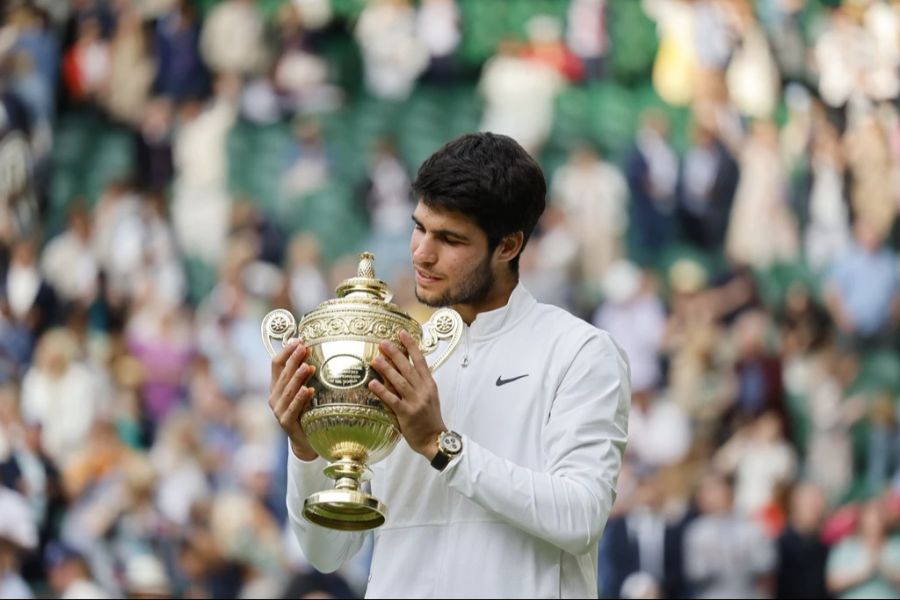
x=745 y=256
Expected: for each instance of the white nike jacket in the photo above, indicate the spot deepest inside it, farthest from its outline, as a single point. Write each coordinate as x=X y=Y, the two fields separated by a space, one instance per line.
x=541 y=399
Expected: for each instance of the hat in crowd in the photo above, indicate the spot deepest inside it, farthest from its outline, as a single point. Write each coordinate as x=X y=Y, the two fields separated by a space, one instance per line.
x=145 y=576
x=17 y=524
x=621 y=281
x=687 y=276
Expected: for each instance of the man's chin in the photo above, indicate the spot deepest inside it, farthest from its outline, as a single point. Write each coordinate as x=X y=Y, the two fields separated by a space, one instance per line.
x=429 y=299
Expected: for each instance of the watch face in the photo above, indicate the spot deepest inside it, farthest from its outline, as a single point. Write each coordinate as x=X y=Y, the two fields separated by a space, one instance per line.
x=451 y=443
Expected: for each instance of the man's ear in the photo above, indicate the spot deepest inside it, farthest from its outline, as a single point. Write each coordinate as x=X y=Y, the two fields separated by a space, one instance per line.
x=510 y=246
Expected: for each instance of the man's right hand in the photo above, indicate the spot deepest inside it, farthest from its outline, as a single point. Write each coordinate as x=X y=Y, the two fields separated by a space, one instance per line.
x=290 y=395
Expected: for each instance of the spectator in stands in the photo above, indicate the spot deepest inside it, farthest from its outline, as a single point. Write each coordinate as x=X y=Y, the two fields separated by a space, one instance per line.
x=802 y=555
x=200 y=202
x=762 y=230
x=865 y=564
x=519 y=96
x=726 y=553
x=86 y=64
x=131 y=70
x=307 y=166
x=388 y=204
x=69 y=574
x=160 y=338
x=153 y=145
x=31 y=69
x=587 y=35
x=829 y=460
x=758 y=370
x=652 y=175
x=660 y=431
x=762 y=463
x=592 y=194
x=68 y=263
x=18 y=536
x=438 y=27
x=61 y=394
x=870 y=156
x=707 y=181
x=883 y=457
x=752 y=77
x=393 y=56
x=643 y=540
x=861 y=288
x=827 y=234
x=300 y=76
x=26 y=467
x=548 y=265
x=545 y=46
x=676 y=67
x=633 y=313
x=31 y=299
x=180 y=71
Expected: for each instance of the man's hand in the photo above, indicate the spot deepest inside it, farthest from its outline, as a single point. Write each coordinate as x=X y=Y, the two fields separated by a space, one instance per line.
x=289 y=395
x=413 y=394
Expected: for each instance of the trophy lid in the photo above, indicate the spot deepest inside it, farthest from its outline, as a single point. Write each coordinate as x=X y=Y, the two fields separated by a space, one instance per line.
x=365 y=284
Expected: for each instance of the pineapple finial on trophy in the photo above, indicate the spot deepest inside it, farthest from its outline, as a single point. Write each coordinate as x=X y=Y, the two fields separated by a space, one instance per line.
x=366 y=265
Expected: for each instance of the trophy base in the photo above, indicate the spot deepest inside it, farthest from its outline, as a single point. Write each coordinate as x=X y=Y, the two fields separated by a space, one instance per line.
x=345 y=510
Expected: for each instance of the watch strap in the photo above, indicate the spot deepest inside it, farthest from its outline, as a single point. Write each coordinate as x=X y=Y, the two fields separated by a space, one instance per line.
x=440 y=460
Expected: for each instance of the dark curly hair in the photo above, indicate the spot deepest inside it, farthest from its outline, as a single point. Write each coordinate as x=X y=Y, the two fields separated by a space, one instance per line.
x=489 y=178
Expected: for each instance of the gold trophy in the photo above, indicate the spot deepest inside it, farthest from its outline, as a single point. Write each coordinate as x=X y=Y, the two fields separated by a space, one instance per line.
x=345 y=423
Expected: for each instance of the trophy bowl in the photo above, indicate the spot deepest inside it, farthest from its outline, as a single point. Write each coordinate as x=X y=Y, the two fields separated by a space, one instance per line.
x=345 y=423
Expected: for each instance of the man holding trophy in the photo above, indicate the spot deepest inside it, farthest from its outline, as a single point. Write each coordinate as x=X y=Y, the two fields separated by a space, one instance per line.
x=511 y=450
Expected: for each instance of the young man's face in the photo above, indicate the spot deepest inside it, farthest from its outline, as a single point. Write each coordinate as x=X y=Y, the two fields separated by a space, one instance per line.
x=450 y=257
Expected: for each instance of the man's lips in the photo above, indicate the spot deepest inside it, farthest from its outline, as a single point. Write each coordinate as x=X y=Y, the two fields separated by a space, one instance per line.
x=425 y=276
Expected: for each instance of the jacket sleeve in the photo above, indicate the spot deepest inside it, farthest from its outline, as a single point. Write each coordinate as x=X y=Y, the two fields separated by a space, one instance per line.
x=568 y=502
x=325 y=549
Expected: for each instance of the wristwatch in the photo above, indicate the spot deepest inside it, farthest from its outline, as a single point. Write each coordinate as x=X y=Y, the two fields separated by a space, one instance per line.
x=449 y=445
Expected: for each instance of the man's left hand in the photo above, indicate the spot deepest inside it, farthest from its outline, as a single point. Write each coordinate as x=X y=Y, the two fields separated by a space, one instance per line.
x=411 y=393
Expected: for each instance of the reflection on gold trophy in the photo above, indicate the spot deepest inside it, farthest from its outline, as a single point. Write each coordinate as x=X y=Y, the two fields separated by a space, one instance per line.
x=346 y=423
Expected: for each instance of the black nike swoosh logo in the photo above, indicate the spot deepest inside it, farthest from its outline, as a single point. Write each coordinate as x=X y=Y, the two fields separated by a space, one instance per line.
x=501 y=381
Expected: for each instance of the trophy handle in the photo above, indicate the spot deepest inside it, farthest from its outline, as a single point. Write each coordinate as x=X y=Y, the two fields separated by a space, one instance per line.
x=280 y=325
x=444 y=323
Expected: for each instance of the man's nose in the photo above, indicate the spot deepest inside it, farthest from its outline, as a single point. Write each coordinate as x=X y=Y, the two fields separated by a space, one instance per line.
x=424 y=251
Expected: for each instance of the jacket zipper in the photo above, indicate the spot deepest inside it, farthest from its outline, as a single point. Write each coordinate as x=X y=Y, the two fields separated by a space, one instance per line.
x=465 y=360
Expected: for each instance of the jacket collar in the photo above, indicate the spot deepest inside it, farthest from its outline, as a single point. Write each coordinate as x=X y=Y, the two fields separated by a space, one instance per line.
x=493 y=322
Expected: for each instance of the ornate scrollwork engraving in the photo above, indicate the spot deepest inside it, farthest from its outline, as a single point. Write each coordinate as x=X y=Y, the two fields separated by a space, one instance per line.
x=445 y=323
x=280 y=325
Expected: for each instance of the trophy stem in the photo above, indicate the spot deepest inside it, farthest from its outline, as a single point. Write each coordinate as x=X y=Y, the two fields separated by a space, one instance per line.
x=348 y=468
x=346 y=483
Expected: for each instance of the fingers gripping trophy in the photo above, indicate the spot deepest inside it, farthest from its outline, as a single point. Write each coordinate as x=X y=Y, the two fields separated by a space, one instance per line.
x=345 y=423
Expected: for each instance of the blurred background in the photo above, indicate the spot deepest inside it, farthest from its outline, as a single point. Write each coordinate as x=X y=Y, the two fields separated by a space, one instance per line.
x=724 y=182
